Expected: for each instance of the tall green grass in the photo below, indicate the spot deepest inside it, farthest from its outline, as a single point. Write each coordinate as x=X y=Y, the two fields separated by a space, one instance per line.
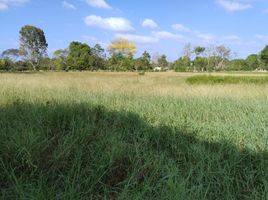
x=73 y=144
x=205 y=79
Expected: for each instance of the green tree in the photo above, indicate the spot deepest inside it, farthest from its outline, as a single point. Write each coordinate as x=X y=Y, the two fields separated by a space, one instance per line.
x=46 y=64
x=80 y=57
x=33 y=45
x=182 y=64
x=22 y=66
x=237 y=65
x=143 y=63
x=60 y=59
x=99 y=57
x=264 y=56
x=200 y=64
x=253 y=62
x=5 y=65
x=146 y=58
x=222 y=55
x=162 y=62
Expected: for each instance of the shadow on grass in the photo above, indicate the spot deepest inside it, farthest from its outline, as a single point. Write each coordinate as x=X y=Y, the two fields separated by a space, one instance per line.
x=80 y=151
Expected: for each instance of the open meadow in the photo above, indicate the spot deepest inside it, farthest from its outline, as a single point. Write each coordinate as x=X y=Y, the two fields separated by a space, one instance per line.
x=103 y=135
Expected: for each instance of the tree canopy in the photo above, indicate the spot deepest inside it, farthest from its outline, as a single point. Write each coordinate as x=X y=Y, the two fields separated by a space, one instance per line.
x=33 y=45
x=122 y=46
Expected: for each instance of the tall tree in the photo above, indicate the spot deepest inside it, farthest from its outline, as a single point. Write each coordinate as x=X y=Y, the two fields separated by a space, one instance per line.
x=264 y=56
x=146 y=60
x=80 y=56
x=162 y=62
x=182 y=64
x=143 y=63
x=33 y=45
x=60 y=57
x=253 y=62
x=99 y=57
x=122 y=46
x=222 y=53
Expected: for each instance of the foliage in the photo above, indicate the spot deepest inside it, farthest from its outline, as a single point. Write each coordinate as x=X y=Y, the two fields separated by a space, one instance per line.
x=199 y=51
x=253 y=62
x=238 y=65
x=200 y=64
x=33 y=45
x=162 y=62
x=204 y=79
x=183 y=64
x=56 y=140
x=4 y=65
x=143 y=63
x=99 y=57
x=122 y=46
x=60 y=59
x=264 y=56
x=80 y=57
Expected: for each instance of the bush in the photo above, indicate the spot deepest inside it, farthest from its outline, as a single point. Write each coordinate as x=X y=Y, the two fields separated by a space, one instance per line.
x=5 y=65
x=203 y=79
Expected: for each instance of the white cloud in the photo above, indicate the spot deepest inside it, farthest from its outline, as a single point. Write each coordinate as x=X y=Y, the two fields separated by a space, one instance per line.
x=233 y=5
x=149 y=23
x=205 y=36
x=67 y=5
x=3 y=6
x=263 y=38
x=6 y=4
x=111 y=23
x=180 y=27
x=232 y=38
x=167 y=35
x=98 y=4
x=139 y=39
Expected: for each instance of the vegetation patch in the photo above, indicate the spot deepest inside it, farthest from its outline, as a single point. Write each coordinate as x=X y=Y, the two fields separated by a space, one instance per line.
x=208 y=79
x=59 y=142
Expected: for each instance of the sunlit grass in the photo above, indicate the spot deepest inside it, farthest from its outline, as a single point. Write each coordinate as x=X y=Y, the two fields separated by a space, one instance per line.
x=125 y=136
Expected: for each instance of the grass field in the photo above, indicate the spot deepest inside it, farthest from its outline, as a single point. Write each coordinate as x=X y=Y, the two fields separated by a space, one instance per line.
x=125 y=136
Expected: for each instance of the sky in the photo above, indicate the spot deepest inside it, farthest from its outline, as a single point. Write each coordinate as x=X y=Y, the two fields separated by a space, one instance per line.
x=158 y=26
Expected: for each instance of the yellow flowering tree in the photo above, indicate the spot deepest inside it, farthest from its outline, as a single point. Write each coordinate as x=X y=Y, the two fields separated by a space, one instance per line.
x=122 y=46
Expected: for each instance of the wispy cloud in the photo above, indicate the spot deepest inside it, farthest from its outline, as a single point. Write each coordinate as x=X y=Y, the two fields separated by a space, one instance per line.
x=139 y=39
x=165 y=35
x=149 y=23
x=232 y=38
x=234 y=5
x=116 y=24
x=6 y=4
x=99 y=4
x=180 y=27
x=263 y=38
x=68 y=5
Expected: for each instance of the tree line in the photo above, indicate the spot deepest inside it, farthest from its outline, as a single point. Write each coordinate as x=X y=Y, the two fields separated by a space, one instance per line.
x=32 y=55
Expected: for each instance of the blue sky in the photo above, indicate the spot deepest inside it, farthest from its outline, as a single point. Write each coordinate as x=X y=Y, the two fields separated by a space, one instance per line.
x=159 y=26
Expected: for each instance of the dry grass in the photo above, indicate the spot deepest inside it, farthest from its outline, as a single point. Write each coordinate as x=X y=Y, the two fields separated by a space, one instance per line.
x=125 y=136
x=163 y=84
